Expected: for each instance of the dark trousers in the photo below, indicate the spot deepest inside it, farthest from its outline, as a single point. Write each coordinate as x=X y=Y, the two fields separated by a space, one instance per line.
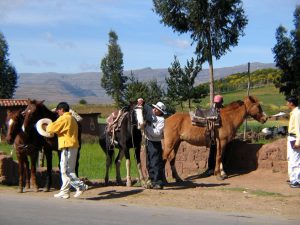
x=212 y=157
x=155 y=164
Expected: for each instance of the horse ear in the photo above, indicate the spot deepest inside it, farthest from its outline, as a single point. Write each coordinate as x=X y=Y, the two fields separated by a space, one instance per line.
x=250 y=98
x=40 y=102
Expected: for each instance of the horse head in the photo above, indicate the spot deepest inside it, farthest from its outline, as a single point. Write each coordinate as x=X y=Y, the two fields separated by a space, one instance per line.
x=139 y=117
x=14 y=124
x=31 y=114
x=254 y=109
x=143 y=113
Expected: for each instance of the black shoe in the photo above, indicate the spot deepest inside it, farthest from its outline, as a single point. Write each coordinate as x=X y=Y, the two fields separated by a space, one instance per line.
x=295 y=185
x=207 y=173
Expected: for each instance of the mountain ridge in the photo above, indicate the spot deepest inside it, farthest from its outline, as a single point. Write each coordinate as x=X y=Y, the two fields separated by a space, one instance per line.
x=72 y=87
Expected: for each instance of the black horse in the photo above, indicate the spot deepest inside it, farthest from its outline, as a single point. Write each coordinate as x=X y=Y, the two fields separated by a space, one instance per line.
x=126 y=135
x=35 y=111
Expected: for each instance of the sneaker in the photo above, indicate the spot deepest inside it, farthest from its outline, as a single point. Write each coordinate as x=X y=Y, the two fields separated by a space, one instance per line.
x=62 y=195
x=295 y=185
x=80 y=191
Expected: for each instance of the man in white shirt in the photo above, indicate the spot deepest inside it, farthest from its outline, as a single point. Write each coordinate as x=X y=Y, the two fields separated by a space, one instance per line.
x=154 y=135
x=293 y=143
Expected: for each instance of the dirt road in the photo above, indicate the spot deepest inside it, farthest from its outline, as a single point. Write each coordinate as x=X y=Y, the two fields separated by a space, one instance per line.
x=260 y=192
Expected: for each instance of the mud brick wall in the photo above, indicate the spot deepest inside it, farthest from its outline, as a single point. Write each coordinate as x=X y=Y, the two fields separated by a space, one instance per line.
x=239 y=156
x=8 y=170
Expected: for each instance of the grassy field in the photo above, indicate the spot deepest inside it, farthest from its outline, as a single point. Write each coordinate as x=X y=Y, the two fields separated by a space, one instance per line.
x=92 y=162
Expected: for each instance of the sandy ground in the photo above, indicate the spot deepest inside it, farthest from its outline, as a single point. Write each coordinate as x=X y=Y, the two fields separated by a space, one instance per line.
x=261 y=192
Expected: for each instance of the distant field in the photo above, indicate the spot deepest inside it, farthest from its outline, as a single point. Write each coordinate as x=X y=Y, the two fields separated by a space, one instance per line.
x=271 y=100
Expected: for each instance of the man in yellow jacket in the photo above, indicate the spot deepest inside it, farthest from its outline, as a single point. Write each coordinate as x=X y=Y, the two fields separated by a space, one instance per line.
x=66 y=129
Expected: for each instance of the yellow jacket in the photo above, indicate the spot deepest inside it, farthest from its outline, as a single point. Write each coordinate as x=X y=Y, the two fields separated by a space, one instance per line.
x=66 y=129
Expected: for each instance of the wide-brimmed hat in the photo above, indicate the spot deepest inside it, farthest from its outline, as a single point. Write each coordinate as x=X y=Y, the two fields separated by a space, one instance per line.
x=41 y=126
x=161 y=107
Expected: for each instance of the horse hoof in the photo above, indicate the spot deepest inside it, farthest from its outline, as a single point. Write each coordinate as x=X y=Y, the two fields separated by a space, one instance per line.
x=46 y=189
x=20 y=190
x=128 y=184
x=219 y=177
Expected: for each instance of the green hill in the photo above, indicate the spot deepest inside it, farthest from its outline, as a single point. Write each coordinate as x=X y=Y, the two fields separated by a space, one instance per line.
x=271 y=100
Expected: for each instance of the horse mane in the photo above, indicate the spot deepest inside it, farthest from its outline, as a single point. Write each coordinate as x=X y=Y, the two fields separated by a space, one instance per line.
x=46 y=112
x=233 y=105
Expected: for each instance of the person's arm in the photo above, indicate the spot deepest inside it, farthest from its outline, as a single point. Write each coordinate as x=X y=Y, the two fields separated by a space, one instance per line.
x=155 y=130
x=56 y=127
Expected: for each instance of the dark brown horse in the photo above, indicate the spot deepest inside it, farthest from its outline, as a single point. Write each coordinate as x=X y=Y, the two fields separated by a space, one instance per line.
x=35 y=111
x=127 y=136
x=178 y=128
x=24 y=146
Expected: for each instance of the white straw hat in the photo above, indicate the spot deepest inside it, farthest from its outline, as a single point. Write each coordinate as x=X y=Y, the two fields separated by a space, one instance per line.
x=161 y=107
x=41 y=126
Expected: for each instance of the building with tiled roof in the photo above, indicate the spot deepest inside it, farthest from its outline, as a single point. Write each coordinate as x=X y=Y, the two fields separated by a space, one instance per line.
x=12 y=102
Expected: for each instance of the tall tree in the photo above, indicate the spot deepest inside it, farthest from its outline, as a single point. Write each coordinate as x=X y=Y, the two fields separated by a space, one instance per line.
x=8 y=74
x=181 y=82
x=214 y=25
x=287 y=57
x=150 y=91
x=113 y=80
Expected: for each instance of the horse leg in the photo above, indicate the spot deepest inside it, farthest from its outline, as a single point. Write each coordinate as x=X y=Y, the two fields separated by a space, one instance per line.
x=118 y=165
x=173 y=168
x=139 y=166
x=48 y=153
x=219 y=171
x=128 y=164
x=169 y=153
x=21 y=172
x=34 y=158
x=109 y=156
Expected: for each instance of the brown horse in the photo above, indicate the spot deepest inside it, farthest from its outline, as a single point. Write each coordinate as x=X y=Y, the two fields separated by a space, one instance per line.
x=24 y=147
x=178 y=128
x=35 y=111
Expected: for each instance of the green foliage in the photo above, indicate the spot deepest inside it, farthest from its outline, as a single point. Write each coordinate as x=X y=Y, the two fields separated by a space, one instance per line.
x=150 y=91
x=287 y=58
x=181 y=83
x=239 y=81
x=214 y=26
x=82 y=102
x=113 y=80
x=8 y=74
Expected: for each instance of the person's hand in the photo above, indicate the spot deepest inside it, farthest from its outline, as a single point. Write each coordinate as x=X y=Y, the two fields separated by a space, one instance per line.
x=140 y=102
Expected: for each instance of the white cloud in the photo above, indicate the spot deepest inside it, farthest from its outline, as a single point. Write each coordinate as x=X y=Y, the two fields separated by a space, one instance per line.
x=61 y=44
x=178 y=43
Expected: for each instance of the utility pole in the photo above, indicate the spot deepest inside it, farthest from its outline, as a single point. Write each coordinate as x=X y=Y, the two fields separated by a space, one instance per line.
x=248 y=90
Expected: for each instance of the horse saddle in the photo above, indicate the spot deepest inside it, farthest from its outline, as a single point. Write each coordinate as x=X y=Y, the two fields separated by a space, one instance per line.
x=202 y=117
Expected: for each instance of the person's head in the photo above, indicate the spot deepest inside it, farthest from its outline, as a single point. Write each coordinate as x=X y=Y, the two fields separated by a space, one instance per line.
x=218 y=100
x=159 y=109
x=291 y=102
x=62 y=107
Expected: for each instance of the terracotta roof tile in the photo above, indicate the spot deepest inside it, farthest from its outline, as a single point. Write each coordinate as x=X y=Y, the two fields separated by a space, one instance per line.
x=13 y=102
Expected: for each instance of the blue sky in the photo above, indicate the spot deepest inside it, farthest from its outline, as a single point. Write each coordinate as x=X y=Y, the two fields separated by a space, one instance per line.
x=71 y=36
